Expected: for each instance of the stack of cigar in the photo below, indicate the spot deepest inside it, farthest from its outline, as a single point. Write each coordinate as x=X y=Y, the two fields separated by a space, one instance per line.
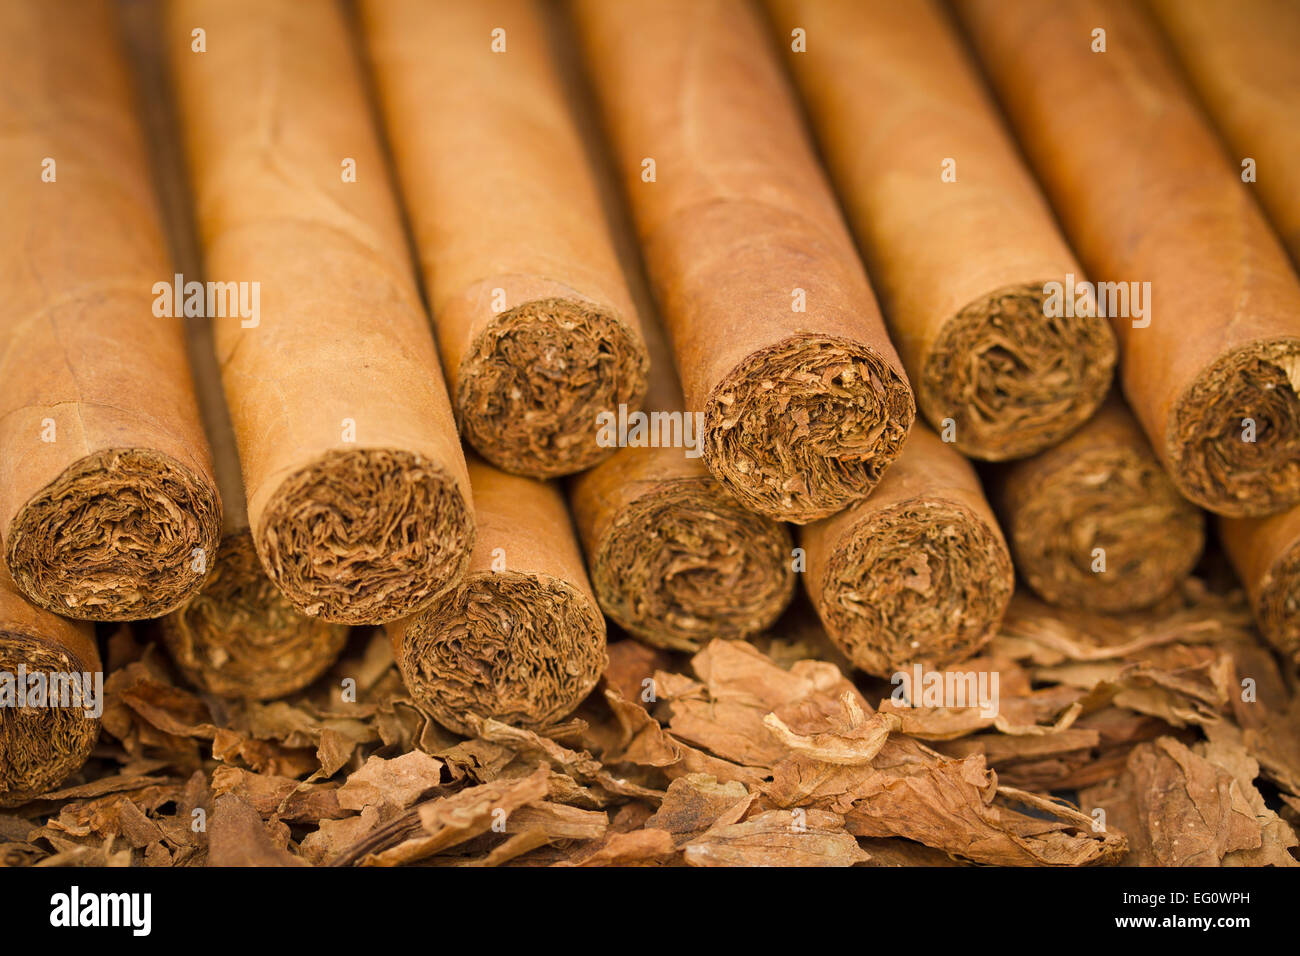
x=496 y=324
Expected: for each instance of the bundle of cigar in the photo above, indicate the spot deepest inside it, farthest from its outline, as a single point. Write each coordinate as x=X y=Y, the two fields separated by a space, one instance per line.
x=706 y=411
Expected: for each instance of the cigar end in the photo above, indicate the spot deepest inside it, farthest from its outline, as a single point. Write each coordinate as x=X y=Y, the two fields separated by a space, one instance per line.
x=525 y=649
x=1234 y=440
x=1013 y=380
x=366 y=536
x=534 y=380
x=925 y=581
x=709 y=569
x=801 y=429
x=1106 y=530
x=120 y=535
x=40 y=746
x=239 y=637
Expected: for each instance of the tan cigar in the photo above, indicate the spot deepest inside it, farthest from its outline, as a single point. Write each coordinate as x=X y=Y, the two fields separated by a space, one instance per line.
x=1201 y=294
x=960 y=243
x=537 y=332
x=358 y=500
x=521 y=639
x=918 y=572
x=108 y=508
x=777 y=336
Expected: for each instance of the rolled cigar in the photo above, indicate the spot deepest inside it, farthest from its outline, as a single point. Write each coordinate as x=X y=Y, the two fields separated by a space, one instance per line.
x=776 y=333
x=358 y=501
x=107 y=501
x=537 y=333
x=1211 y=360
x=1266 y=555
x=1240 y=55
x=41 y=743
x=1095 y=522
x=521 y=639
x=960 y=266
x=674 y=558
x=238 y=637
x=917 y=573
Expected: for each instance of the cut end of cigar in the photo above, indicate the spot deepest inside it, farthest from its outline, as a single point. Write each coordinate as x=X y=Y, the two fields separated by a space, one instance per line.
x=121 y=535
x=707 y=568
x=525 y=649
x=1277 y=606
x=1013 y=380
x=1107 y=531
x=802 y=429
x=1234 y=446
x=40 y=746
x=366 y=536
x=534 y=381
x=239 y=637
x=926 y=581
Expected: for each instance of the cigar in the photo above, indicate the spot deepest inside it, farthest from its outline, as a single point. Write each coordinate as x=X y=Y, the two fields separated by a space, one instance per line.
x=357 y=495
x=41 y=743
x=108 y=508
x=777 y=337
x=1211 y=360
x=1266 y=555
x=521 y=639
x=1241 y=58
x=960 y=266
x=537 y=332
x=238 y=637
x=917 y=573
x=674 y=558
x=1095 y=523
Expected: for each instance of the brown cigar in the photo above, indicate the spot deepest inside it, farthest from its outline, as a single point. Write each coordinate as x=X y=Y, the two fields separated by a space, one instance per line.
x=959 y=253
x=41 y=743
x=537 y=332
x=521 y=639
x=358 y=499
x=107 y=503
x=1241 y=55
x=777 y=336
x=1095 y=522
x=1211 y=366
x=917 y=573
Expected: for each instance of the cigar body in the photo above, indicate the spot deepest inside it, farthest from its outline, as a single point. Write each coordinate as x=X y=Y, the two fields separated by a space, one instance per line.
x=1211 y=366
x=537 y=333
x=959 y=254
x=41 y=744
x=521 y=639
x=1095 y=522
x=106 y=490
x=1240 y=55
x=918 y=572
x=357 y=495
x=777 y=337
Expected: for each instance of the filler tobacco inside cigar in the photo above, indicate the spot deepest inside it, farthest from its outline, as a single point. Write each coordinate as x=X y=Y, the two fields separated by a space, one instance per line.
x=41 y=745
x=1095 y=522
x=537 y=332
x=1266 y=554
x=1211 y=361
x=893 y=98
x=357 y=496
x=521 y=639
x=918 y=572
x=106 y=492
x=777 y=336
